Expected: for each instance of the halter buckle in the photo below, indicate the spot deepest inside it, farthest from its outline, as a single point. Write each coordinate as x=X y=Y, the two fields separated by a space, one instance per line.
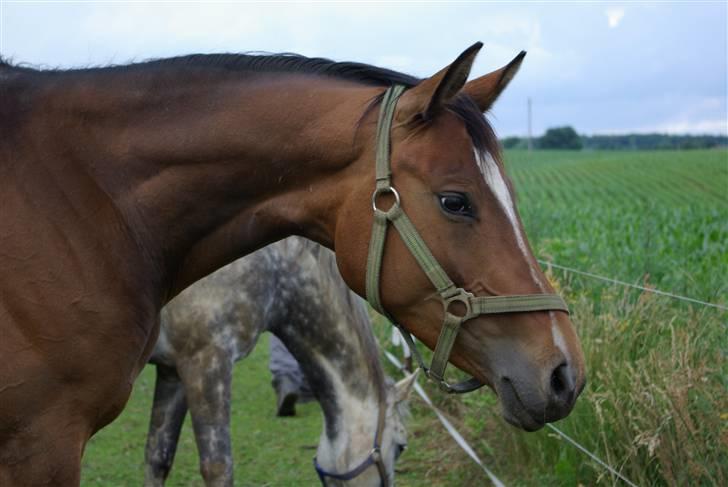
x=462 y=296
x=445 y=387
x=376 y=454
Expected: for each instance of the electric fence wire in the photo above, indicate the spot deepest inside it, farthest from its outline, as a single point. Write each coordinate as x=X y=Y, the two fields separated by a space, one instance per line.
x=448 y=425
x=634 y=286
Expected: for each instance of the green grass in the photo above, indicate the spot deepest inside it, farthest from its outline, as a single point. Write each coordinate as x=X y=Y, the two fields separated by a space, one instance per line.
x=267 y=450
x=655 y=406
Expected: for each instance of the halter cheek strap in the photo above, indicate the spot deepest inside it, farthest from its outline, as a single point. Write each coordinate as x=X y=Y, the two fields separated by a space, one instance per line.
x=473 y=305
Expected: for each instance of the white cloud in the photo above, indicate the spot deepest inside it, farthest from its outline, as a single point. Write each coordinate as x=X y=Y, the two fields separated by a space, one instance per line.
x=614 y=16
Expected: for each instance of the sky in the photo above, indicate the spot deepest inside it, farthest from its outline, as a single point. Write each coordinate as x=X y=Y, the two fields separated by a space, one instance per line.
x=602 y=67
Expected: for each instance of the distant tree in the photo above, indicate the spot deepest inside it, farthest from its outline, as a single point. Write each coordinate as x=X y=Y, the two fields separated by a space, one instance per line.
x=560 y=138
x=653 y=141
x=511 y=142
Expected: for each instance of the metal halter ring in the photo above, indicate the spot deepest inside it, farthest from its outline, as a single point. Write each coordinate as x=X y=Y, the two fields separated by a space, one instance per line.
x=386 y=189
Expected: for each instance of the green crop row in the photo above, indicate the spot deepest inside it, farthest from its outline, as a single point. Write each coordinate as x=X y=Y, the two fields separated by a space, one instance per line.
x=659 y=218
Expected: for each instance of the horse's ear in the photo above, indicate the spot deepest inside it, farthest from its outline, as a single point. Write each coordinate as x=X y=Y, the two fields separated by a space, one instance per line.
x=404 y=387
x=428 y=97
x=486 y=89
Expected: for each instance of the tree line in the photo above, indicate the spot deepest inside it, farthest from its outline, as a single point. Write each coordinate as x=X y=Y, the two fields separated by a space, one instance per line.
x=566 y=138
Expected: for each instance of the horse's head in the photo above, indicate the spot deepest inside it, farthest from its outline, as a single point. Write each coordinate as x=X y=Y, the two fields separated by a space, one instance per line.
x=451 y=183
x=349 y=457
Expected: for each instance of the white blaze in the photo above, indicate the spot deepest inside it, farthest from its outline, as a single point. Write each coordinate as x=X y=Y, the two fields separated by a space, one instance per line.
x=558 y=338
x=494 y=179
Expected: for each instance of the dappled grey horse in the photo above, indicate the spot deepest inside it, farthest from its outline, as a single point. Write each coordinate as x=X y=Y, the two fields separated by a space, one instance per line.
x=292 y=289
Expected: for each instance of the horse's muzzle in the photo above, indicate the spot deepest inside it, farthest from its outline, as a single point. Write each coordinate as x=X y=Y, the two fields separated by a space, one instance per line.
x=530 y=407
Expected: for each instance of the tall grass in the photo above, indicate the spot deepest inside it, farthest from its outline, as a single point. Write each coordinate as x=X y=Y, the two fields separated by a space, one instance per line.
x=652 y=408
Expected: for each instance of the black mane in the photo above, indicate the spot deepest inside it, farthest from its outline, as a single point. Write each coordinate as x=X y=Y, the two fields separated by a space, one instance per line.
x=256 y=63
x=292 y=63
x=484 y=139
x=463 y=106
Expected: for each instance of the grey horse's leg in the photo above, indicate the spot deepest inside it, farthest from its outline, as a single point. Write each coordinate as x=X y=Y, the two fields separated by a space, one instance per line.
x=207 y=378
x=168 y=414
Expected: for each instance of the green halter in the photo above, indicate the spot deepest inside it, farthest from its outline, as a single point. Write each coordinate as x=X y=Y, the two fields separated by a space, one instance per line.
x=474 y=306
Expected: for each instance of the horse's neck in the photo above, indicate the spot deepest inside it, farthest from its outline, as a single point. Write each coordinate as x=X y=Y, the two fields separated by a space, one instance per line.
x=216 y=168
x=349 y=396
x=327 y=329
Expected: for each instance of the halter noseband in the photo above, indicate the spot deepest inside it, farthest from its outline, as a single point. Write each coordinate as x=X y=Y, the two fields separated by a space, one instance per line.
x=449 y=293
x=374 y=457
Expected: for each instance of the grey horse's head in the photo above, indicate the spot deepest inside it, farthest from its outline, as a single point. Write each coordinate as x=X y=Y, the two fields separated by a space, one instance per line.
x=347 y=457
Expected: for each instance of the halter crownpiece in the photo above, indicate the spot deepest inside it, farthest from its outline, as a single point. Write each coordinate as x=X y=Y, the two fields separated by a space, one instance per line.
x=474 y=305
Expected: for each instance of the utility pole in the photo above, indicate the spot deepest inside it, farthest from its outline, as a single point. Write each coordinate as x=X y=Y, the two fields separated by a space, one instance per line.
x=530 y=135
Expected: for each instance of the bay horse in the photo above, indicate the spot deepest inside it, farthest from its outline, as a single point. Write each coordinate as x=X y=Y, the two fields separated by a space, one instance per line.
x=293 y=289
x=121 y=186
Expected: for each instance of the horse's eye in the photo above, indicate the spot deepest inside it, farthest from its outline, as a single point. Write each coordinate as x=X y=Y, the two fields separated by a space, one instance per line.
x=456 y=204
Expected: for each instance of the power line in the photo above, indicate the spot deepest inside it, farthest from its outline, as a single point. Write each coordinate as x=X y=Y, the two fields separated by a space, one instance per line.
x=530 y=135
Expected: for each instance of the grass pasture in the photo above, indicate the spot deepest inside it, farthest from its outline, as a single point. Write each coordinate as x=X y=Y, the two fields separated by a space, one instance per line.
x=271 y=451
x=656 y=405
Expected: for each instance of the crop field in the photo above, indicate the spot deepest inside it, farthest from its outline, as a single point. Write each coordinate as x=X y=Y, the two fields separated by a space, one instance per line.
x=656 y=403
x=655 y=217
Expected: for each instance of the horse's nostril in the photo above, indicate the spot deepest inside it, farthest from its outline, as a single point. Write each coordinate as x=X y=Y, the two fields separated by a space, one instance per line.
x=562 y=383
x=557 y=383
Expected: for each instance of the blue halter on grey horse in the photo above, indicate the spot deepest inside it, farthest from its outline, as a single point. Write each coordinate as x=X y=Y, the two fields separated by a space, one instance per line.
x=292 y=289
